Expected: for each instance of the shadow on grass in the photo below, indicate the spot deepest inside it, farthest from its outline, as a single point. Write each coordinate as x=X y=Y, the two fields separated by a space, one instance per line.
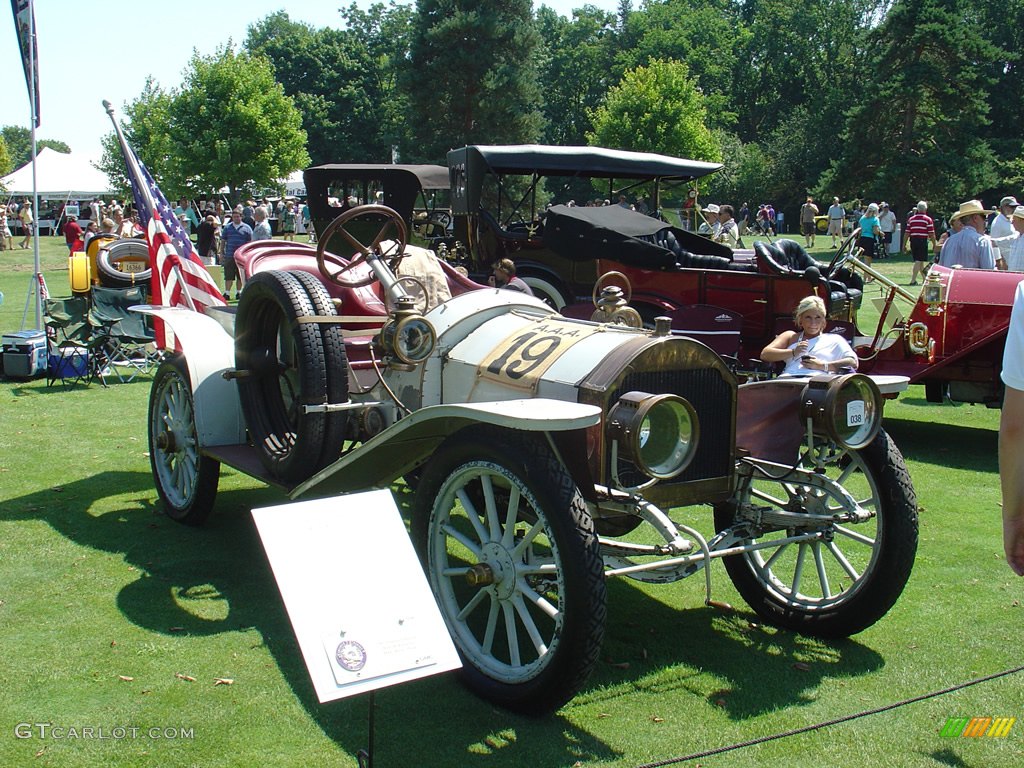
x=721 y=659
x=954 y=446
x=225 y=561
x=726 y=659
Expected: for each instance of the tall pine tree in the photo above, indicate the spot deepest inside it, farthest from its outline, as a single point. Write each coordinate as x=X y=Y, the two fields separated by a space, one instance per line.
x=471 y=77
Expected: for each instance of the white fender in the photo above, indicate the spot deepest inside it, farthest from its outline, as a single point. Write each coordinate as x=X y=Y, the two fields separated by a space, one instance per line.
x=209 y=351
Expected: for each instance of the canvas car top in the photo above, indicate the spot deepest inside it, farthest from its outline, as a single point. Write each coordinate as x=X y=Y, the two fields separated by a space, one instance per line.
x=616 y=233
x=579 y=161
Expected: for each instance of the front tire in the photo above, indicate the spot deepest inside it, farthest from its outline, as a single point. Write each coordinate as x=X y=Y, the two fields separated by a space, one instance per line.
x=502 y=510
x=186 y=480
x=850 y=575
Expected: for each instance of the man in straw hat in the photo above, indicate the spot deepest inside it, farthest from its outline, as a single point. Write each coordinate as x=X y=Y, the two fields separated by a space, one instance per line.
x=969 y=247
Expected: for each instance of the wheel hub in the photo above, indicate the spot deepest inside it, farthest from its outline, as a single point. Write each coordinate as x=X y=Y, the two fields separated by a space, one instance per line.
x=501 y=569
x=166 y=442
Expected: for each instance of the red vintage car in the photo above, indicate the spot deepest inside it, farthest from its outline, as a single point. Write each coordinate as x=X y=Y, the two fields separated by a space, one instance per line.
x=950 y=338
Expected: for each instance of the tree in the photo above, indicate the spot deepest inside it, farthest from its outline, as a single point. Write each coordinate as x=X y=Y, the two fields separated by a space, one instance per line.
x=19 y=145
x=917 y=127
x=573 y=65
x=232 y=125
x=656 y=108
x=470 y=76
x=343 y=81
x=146 y=124
x=6 y=166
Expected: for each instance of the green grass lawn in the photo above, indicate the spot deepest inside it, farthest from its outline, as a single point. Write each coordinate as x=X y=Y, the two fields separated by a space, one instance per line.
x=112 y=616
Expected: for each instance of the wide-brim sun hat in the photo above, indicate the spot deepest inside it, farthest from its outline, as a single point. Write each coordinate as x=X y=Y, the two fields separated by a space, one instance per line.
x=1018 y=212
x=711 y=208
x=970 y=208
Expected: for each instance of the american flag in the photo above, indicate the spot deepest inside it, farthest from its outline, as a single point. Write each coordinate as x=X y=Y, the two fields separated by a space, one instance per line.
x=179 y=277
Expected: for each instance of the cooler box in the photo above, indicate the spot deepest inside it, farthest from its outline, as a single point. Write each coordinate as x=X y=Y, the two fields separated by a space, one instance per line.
x=25 y=354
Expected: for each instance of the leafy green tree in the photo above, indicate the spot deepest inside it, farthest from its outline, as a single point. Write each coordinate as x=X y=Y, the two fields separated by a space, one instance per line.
x=343 y=81
x=19 y=145
x=146 y=123
x=6 y=166
x=917 y=127
x=573 y=62
x=470 y=76
x=233 y=125
x=702 y=33
x=656 y=108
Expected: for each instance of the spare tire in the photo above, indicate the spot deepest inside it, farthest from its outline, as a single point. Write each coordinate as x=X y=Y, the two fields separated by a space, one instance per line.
x=340 y=424
x=117 y=262
x=285 y=369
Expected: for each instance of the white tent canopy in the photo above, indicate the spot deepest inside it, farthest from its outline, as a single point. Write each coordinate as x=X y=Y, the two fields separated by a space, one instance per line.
x=58 y=175
x=295 y=185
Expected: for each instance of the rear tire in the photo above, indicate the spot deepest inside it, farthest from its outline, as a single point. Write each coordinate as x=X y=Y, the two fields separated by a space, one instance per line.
x=186 y=480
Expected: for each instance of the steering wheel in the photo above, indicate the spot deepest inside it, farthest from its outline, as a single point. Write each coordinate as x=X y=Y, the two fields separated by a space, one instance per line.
x=440 y=217
x=599 y=285
x=844 y=253
x=392 y=220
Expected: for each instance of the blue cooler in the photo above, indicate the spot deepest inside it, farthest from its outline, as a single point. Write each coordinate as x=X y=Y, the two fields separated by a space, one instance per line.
x=25 y=354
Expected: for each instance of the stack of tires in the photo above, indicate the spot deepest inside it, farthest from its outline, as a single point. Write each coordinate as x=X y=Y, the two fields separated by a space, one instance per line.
x=291 y=363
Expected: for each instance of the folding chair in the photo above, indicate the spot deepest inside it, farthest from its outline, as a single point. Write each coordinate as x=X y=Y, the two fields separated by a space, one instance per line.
x=126 y=338
x=72 y=347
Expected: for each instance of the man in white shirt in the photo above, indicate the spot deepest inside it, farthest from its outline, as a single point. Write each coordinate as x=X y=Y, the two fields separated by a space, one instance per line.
x=887 y=222
x=1001 y=226
x=1011 y=247
x=836 y=217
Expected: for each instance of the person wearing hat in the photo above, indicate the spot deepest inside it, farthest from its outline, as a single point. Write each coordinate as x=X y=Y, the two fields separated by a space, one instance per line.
x=970 y=247
x=836 y=217
x=920 y=231
x=1001 y=227
x=1011 y=247
x=710 y=226
x=73 y=235
x=28 y=224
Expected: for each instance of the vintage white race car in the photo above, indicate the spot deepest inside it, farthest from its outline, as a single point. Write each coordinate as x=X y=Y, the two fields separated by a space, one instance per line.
x=546 y=454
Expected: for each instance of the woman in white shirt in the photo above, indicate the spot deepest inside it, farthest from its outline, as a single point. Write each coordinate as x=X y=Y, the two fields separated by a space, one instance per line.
x=809 y=351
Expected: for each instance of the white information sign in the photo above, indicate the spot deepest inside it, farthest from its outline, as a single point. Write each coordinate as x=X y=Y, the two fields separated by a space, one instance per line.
x=355 y=593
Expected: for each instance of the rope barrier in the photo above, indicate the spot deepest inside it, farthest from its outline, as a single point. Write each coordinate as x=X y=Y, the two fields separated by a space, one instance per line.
x=836 y=721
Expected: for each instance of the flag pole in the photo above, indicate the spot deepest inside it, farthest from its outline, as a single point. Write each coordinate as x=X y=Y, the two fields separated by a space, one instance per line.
x=35 y=289
x=128 y=158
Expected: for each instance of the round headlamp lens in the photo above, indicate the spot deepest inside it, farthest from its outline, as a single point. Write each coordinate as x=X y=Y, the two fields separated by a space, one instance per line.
x=658 y=433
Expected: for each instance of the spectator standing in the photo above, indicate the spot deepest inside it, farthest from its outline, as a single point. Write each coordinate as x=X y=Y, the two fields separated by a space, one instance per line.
x=6 y=238
x=96 y=210
x=28 y=223
x=807 y=213
x=870 y=231
x=289 y=221
x=73 y=234
x=1014 y=258
x=969 y=247
x=235 y=234
x=836 y=217
x=1011 y=438
x=300 y=220
x=887 y=223
x=262 y=229
x=769 y=215
x=249 y=214
x=1001 y=227
x=744 y=218
x=920 y=231
x=206 y=238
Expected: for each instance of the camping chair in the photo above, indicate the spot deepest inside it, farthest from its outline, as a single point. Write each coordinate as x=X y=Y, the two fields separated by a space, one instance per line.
x=126 y=338
x=73 y=353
